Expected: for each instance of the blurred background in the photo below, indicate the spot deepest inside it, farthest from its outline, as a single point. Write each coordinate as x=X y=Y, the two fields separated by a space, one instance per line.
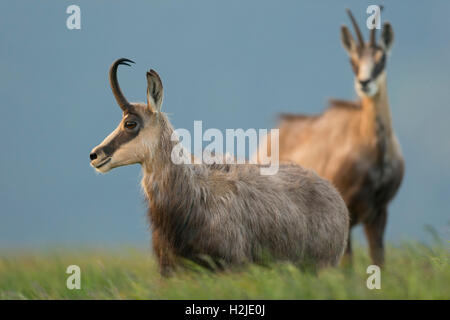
x=231 y=64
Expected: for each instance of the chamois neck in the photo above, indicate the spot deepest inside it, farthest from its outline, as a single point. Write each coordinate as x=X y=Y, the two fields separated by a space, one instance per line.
x=376 y=113
x=170 y=189
x=158 y=156
x=163 y=180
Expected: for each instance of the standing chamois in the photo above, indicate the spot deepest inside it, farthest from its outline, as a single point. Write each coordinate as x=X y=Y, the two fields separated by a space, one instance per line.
x=352 y=144
x=230 y=213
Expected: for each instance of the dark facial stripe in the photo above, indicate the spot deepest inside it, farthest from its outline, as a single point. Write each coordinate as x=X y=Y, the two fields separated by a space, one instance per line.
x=379 y=67
x=123 y=136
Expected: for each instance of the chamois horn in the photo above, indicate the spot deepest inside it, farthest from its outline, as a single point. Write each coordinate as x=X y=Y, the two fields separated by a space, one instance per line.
x=357 y=30
x=120 y=98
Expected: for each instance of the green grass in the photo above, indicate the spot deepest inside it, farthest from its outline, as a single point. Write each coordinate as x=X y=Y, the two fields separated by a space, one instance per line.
x=413 y=271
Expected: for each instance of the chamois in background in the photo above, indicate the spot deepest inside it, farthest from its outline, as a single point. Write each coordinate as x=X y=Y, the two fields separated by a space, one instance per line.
x=230 y=213
x=352 y=144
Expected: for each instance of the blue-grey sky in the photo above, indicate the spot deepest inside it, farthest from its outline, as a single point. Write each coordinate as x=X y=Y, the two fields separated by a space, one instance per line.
x=231 y=64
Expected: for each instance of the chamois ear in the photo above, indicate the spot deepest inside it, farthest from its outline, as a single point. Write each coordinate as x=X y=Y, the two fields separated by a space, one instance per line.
x=154 y=91
x=387 y=37
x=347 y=40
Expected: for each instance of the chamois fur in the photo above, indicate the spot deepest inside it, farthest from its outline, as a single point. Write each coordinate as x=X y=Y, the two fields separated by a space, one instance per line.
x=234 y=215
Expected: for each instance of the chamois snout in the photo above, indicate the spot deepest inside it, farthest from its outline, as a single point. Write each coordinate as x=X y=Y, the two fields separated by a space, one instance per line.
x=99 y=159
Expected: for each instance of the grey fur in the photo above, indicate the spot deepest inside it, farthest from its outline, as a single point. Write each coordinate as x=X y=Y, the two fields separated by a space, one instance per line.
x=233 y=214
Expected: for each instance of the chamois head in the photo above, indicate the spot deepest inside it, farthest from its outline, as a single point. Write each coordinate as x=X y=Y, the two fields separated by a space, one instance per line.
x=137 y=134
x=368 y=60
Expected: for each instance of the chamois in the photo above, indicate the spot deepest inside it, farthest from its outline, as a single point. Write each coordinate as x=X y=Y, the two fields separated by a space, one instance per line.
x=352 y=144
x=229 y=213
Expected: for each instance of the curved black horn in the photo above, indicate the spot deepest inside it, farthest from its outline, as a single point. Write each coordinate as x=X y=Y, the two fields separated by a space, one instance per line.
x=120 y=98
x=355 y=26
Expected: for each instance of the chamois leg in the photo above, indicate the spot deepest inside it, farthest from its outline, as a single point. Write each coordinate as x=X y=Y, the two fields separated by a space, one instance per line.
x=347 y=259
x=164 y=254
x=374 y=230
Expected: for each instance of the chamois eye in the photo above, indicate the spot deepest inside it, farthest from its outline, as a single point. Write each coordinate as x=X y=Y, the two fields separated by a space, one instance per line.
x=130 y=124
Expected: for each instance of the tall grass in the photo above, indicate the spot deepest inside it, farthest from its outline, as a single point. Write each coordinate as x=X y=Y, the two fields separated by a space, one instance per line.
x=413 y=271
